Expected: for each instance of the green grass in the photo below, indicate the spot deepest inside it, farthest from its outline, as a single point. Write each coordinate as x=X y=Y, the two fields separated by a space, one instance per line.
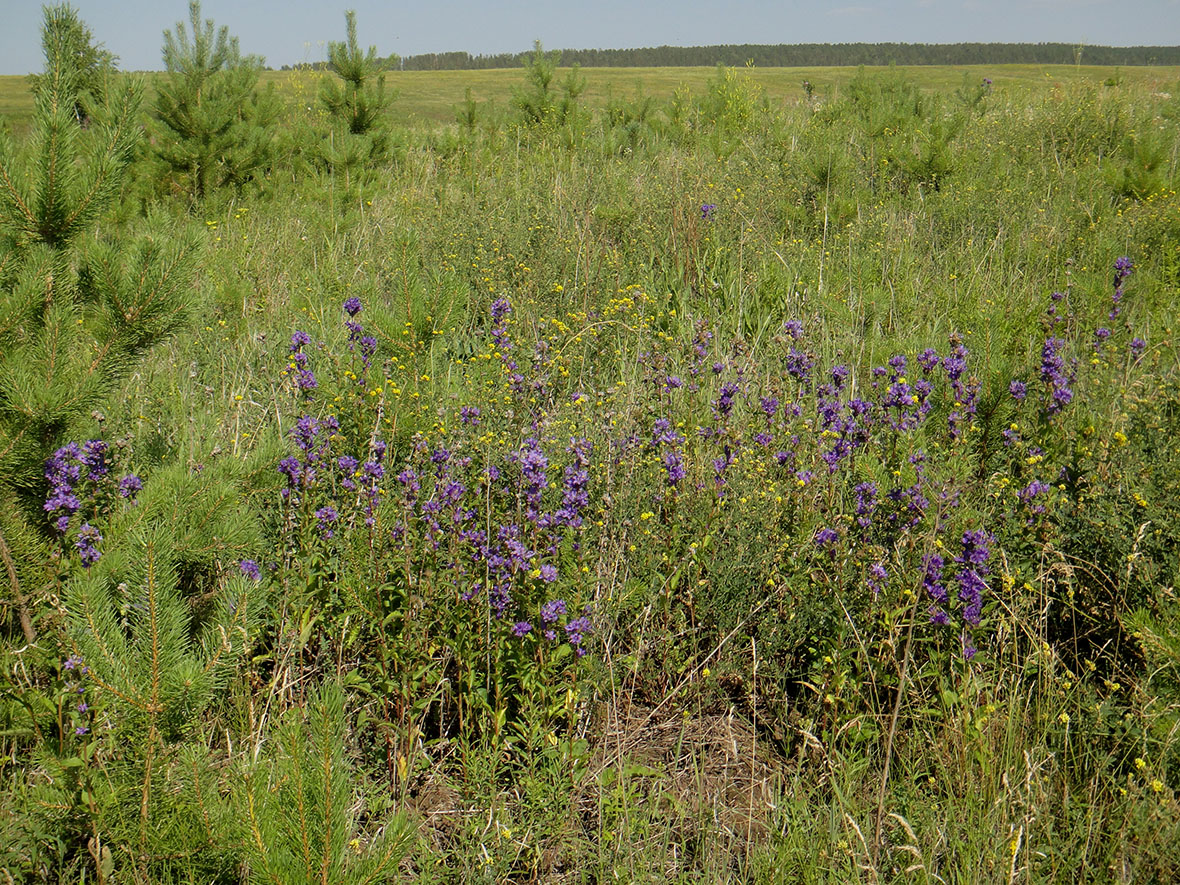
x=432 y=96
x=748 y=709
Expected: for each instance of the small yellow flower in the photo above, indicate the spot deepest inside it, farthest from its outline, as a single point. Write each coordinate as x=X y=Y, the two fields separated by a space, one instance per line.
x=1140 y=763
x=1063 y=718
x=1157 y=786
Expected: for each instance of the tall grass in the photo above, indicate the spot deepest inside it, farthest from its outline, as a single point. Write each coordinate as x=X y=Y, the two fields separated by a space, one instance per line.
x=584 y=308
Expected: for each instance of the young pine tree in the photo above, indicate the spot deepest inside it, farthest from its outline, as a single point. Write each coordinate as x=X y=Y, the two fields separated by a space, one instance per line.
x=151 y=668
x=298 y=807
x=539 y=103
x=214 y=127
x=70 y=39
x=77 y=310
x=360 y=100
x=357 y=103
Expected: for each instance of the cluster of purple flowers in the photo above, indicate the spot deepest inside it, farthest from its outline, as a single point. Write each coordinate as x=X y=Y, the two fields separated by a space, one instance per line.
x=1057 y=376
x=575 y=629
x=906 y=404
x=971 y=575
x=866 y=503
x=305 y=380
x=1122 y=270
x=666 y=438
x=355 y=486
x=877 y=577
x=826 y=537
x=972 y=561
x=932 y=584
x=501 y=309
x=966 y=392
x=357 y=336
x=77 y=472
x=87 y=544
x=1032 y=496
x=576 y=478
x=75 y=667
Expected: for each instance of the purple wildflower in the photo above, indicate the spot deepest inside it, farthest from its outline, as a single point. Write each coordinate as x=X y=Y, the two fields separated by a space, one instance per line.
x=825 y=537
x=674 y=467
x=87 y=544
x=799 y=365
x=553 y=610
x=928 y=359
x=326 y=516
x=932 y=565
x=877 y=578
x=93 y=458
x=129 y=485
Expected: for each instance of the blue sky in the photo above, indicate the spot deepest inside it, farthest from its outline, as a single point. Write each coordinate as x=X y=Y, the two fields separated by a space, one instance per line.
x=295 y=30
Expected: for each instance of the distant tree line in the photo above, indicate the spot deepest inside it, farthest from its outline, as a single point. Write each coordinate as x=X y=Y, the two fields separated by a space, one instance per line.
x=807 y=55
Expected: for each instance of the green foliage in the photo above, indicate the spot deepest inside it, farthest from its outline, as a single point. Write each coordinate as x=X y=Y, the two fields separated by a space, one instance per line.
x=299 y=809
x=1143 y=167
x=75 y=314
x=69 y=45
x=733 y=101
x=358 y=110
x=360 y=102
x=755 y=702
x=213 y=126
x=125 y=770
x=538 y=102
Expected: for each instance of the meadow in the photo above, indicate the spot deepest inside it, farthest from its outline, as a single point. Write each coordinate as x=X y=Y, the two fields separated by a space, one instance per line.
x=670 y=475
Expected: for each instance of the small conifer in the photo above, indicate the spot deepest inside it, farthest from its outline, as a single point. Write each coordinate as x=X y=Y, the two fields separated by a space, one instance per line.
x=76 y=311
x=214 y=127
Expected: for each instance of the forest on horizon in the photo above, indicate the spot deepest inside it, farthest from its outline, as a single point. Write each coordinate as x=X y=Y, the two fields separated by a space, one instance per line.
x=788 y=55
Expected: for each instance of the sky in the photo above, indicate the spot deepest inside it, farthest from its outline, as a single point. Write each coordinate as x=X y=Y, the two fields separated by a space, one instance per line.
x=294 y=31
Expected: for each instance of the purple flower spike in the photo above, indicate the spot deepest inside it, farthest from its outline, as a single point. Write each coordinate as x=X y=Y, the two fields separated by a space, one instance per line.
x=129 y=485
x=825 y=537
x=352 y=306
x=87 y=544
x=552 y=610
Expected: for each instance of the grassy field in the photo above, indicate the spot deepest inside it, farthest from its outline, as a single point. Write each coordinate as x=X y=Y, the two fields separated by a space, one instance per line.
x=433 y=96
x=740 y=485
